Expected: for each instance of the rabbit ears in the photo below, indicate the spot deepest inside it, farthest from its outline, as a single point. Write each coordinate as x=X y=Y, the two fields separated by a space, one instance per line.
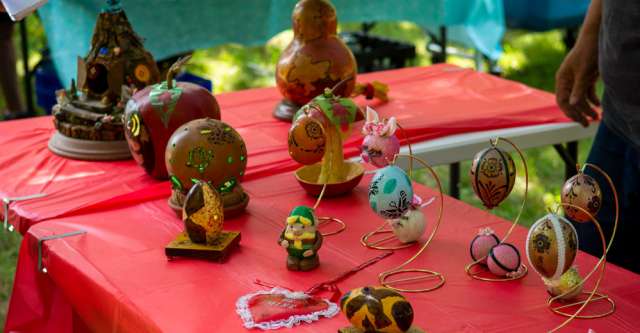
x=374 y=126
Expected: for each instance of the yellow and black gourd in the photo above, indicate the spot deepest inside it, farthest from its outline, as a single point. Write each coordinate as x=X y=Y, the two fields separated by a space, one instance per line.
x=377 y=310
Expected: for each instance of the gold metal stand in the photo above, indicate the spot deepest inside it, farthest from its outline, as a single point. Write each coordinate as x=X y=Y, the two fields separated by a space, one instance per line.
x=477 y=271
x=367 y=239
x=594 y=295
x=417 y=274
x=325 y=220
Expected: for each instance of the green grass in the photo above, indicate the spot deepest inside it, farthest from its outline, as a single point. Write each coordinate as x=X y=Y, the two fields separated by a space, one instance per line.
x=529 y=58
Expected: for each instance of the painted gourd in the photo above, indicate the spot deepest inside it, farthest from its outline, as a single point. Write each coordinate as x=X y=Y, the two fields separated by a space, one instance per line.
x=569 y=285
x=482 y=244
x=583 y=191
x=552 y=244
x=410 y=226
x=207 y=150
x=306 y=140
x=503 y=259
x=377 y=310
x=380 y=144
x=155 y=112
x=316 y=58
x=203 y=213
x=492 y=176
x=390 y=192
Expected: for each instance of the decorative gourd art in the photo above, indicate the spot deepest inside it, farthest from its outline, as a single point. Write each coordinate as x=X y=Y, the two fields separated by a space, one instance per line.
x=315 y=139
x=315 y=59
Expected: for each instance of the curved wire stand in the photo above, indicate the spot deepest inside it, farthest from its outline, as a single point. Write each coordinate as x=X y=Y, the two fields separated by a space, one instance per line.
x=324 y=220
x=593 y=294
x=424 y=274
x=478 y=273
x=366 y=239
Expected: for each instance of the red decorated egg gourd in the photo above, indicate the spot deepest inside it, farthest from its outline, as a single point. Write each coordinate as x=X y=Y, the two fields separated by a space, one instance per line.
x=583 y=191
x=155 y=112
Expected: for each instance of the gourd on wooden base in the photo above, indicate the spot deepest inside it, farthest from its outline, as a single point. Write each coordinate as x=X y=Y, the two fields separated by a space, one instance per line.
x=211 y=151
x=315 y=59
x=203 y=217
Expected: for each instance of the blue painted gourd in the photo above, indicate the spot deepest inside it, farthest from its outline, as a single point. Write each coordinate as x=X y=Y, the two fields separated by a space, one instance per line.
x=390 y=192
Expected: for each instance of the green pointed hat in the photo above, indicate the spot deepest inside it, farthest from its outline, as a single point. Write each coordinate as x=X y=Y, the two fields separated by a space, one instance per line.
x=302 y=214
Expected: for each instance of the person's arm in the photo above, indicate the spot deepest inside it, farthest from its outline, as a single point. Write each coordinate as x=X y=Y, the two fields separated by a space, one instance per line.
x=576 y=78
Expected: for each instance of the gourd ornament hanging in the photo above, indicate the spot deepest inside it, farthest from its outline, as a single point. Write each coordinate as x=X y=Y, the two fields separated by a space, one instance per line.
x=392 y=197
x=492 y=176
x=315 y=59
x=315 y=140
x=211 y=151
x=552 y=243
x=380 y=147
x=583 y=191
x=155 y=112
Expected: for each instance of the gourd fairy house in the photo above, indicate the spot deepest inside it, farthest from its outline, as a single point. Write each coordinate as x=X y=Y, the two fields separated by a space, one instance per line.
x=88 y=117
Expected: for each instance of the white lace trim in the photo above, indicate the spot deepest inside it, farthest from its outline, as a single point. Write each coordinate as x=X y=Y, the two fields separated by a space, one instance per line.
x=242 y=308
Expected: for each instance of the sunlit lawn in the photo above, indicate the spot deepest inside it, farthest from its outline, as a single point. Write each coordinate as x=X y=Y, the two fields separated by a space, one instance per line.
x=529 y=58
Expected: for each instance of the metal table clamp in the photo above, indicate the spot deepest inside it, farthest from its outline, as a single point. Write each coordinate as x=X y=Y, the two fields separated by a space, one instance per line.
x=7 y=201
x=46 y=238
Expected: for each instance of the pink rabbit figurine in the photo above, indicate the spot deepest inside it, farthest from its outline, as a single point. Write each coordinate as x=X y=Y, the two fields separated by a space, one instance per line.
x=380 y=145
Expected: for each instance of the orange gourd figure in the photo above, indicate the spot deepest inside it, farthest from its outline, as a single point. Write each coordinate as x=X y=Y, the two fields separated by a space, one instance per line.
x=315 y=59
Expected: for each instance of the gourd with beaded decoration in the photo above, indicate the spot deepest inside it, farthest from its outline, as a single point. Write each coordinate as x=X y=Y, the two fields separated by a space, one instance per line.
x=552 y=244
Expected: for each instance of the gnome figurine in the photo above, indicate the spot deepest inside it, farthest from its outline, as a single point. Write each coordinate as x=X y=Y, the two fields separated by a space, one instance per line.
x=301 y=239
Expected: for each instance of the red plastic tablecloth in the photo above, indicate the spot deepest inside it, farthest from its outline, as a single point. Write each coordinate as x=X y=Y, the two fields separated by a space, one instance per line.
x=429 y=102
x=115 y=278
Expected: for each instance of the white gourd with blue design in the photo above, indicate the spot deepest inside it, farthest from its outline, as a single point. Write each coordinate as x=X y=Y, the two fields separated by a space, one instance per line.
x=390 y=192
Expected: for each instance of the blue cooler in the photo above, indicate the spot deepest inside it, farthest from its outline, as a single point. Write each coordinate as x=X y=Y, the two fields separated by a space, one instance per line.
x=541 y=15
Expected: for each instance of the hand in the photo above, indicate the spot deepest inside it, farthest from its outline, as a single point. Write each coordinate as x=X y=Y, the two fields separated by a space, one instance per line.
x=284 y=243
x=576 y=81
x=307 y=253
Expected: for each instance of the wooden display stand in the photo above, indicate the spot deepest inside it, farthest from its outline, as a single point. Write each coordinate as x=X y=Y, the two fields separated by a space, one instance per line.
x=182 y=246
x=88 y=149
